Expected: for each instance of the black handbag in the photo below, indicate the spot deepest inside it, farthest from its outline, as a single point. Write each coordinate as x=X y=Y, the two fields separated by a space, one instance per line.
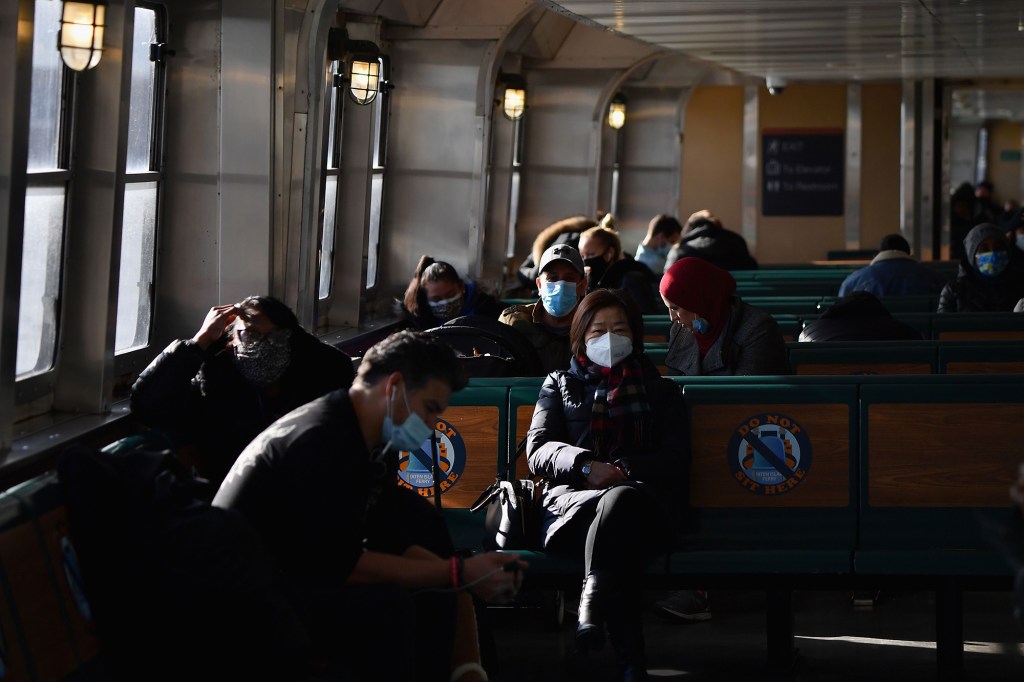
x=512 y=512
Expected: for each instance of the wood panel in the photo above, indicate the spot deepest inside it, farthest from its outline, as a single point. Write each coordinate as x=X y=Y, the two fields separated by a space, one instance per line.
x=942 y=454
x=54 y=527
x=524 y=415
x=993 y=367
x=981 y=335
x=827 y=482
x=478 y=426
x=37 y=605
x=835 y=369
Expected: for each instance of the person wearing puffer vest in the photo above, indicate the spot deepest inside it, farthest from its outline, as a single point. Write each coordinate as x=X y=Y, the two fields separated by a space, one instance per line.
x=988 y=279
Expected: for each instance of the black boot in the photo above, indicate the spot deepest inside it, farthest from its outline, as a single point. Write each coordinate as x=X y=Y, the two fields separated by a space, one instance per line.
x=590 y=629
x=626 y=633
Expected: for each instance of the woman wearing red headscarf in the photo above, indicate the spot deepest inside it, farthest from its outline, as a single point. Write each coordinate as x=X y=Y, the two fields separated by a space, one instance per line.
x=714 y=332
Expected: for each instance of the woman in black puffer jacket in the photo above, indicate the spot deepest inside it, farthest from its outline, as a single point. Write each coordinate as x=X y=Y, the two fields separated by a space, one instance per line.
x=608 y=436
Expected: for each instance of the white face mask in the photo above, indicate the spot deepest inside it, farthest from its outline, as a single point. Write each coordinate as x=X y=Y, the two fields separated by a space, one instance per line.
x=609 y=349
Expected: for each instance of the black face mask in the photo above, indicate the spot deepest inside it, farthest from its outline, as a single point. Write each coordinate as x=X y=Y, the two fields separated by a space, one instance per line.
x=598 y=266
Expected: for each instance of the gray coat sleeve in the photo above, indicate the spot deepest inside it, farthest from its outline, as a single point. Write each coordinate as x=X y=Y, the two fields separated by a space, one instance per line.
x=762 y=351
x=549 y=453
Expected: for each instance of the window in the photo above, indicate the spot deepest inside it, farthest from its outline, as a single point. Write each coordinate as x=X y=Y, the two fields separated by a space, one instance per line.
x=141 y=185
x=45 y=196
x=380 y=153
x=335 y=107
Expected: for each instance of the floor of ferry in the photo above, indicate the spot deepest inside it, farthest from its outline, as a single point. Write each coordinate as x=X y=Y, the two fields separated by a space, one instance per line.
x=891 y=640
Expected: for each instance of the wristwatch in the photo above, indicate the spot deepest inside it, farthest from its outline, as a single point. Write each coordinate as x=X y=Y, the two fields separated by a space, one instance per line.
x=585 y=469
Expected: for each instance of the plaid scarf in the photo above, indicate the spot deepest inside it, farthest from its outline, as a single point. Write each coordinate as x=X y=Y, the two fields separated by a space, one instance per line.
x=620 y=416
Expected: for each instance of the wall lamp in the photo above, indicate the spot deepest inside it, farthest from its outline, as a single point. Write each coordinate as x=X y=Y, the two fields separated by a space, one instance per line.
x=514 y=102
x=80 y=39
x=617 y=111
x=362 y=60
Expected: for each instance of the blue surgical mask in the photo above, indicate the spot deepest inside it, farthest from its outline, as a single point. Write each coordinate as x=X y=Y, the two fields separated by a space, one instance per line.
x=662 y=251
x=408 y=435
x=991 y=263
x=558 y=298
x=609 y=349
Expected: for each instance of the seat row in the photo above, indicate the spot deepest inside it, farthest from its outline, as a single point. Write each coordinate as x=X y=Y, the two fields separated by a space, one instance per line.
x=886 y=481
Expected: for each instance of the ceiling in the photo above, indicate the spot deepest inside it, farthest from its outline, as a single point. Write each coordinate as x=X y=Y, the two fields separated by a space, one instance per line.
x=828 y=40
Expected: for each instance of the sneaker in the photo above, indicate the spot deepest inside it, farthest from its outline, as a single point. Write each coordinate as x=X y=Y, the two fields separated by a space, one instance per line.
x=691 y=605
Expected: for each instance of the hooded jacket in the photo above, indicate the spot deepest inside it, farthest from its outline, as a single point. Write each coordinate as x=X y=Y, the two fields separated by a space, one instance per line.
x=858 y=317
x=476 y=302
x=973 y=292
x=552 y=347
x=559 y=441
x=202 y=399
x=717 y=245
x=751 y=344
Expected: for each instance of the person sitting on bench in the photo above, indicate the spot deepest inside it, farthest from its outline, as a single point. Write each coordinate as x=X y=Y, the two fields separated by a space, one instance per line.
x=606 y=436
x=363 y=555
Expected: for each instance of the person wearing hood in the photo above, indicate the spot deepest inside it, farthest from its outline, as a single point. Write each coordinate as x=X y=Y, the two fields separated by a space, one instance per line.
x=894 y=272
x=714 y=332
x=988 y=281
x=608 y=267
x=250 y=363
x=562 y=284
x=437 y=294
x=705 y=237
x=608 y=438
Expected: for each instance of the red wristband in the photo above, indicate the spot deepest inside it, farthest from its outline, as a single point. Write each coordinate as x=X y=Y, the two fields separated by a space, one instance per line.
x=454 y=569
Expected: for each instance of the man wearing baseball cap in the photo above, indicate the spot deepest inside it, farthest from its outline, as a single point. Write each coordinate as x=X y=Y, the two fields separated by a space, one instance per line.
x=561 y=283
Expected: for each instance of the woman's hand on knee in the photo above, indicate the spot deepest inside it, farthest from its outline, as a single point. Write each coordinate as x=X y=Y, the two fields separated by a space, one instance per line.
x=494 y=577
x=604 y=475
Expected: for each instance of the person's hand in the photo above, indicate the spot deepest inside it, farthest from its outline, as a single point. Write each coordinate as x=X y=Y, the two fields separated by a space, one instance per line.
x=1017 y=489
x=604 y=475
x=504 y=576
x=215 y=324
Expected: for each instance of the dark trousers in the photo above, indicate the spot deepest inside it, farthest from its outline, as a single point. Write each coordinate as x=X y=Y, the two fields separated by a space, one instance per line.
x=385 y=631
x=626 y=528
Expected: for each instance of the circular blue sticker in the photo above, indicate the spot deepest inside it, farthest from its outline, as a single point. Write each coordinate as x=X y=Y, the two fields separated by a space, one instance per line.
x=414 y=468
x=769 y=454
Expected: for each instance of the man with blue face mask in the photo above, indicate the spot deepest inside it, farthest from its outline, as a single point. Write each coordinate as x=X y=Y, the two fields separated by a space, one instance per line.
x=662 y=232
x=362 y=554
x=989 y=280
x=561 y=283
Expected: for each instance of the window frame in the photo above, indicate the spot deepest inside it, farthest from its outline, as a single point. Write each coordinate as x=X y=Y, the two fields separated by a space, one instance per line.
x=134 y=359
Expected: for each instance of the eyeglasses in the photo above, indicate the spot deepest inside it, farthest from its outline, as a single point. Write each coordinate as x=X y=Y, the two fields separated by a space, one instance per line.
x=248 y=334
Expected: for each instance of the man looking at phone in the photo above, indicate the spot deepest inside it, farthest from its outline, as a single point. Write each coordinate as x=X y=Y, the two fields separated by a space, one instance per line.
x=371 y=563
x=249 y=364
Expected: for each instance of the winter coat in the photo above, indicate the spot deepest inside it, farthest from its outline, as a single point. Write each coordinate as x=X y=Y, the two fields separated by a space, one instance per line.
x=717 y=245
x=559 y=442
x=552 y=347
x=893 y=273
x=201 y=398
x=974 y=292
x=858 y=317
x=751 y=344
x=636 y=279
x=476 y=302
